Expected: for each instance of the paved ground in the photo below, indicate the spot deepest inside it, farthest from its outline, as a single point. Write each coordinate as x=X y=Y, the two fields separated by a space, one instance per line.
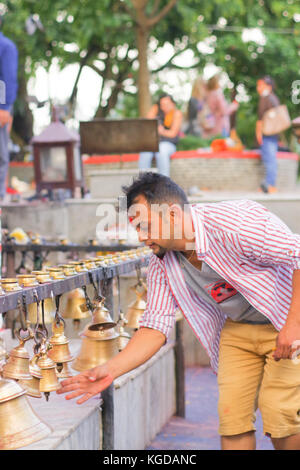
x=199 y=430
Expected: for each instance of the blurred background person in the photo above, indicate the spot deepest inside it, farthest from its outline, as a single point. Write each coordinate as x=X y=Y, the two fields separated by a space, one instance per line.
x=195 y=105
x=8 y=76
x=169 y=123
x=268 y=143
x=216 y=111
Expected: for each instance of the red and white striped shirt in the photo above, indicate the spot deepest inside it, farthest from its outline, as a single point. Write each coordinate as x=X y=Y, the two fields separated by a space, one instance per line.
x=246 y=245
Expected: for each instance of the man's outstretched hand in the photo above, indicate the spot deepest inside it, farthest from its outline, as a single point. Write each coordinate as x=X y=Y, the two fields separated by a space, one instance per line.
x=88 y=384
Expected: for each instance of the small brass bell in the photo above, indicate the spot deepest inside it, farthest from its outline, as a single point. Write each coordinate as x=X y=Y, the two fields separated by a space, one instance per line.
x=59 y=352
x=19 y=424
x=100 y=313
x=99 y=344
x=32 y=386
x=17 y=366
x=124 y=337
x=75 y=299
x=136 y=309
x=49 y=382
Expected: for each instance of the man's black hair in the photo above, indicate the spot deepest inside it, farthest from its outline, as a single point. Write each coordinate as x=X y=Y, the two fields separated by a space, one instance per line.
x=156 y=189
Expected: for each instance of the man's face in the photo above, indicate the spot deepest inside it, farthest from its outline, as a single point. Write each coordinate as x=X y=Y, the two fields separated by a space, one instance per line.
x=154 y=229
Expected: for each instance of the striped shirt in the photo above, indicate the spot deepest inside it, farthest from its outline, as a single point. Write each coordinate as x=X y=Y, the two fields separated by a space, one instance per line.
x=246 y=245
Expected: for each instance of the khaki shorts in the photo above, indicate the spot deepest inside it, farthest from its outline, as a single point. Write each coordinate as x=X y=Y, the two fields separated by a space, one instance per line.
x=249 y=378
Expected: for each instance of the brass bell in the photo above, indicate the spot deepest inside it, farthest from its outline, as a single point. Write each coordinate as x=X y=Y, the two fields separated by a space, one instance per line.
x=49 y=382
x=124 y=337
x=17 y=366
x=100 y=313
x=19 y=424
x=59 y=352
x=75 y=299
x=49 y=312
x=136 y=309
x=32 y=386
x=99 y=344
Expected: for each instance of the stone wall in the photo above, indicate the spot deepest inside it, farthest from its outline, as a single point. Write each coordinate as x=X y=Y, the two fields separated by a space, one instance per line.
x=207 y=170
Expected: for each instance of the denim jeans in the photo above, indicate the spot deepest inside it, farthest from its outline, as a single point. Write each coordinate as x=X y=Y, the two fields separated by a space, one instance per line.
x=4 y=159
x=269 y=148
x=166 y=149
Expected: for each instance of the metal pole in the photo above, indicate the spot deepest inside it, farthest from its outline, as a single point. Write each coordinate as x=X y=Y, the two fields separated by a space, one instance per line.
x=179 y=370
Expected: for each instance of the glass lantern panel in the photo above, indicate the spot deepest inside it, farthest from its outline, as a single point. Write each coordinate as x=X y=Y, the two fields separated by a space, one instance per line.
x=53 y=164
x=77 y=163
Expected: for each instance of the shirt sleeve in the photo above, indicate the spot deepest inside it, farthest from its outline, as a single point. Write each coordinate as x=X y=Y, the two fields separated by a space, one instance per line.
x=161 y=305
x=265 y=238
x=9 y=67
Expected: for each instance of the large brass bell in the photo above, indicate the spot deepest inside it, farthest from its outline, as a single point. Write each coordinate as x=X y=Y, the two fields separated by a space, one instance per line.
x=19 y=424
x=99 y=344
x=49 y=382
x=75 y=299
x=59 y=352
x=136 y=308
x=17 y=366
x=32 y=386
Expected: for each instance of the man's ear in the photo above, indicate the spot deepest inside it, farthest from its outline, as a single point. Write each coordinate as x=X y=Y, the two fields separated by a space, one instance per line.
x=175 y=212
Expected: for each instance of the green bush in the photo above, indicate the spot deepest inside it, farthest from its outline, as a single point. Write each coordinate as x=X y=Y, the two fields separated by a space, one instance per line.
x=191 y=142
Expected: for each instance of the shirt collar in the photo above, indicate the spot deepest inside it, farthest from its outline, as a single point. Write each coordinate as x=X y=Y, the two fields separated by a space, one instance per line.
x=201 y=239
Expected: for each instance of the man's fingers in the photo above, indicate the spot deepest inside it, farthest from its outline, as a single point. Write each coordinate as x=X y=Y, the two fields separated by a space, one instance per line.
x=74 y=394
x=85 y=398
x=69 y=388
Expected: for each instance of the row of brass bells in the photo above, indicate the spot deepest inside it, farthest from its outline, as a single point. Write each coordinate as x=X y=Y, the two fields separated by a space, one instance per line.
x=49 y=381
x=17 y=365
x=19 y=424
x=99 y=344
x=60 y=352
x=136 y=308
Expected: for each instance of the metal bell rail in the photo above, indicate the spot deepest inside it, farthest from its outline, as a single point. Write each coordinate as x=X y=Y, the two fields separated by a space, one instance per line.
x=11 y=300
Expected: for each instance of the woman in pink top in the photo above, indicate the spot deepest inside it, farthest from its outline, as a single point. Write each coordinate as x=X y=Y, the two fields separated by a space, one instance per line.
x=216 y=111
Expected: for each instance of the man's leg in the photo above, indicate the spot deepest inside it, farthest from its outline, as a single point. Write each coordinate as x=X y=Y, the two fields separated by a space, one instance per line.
x=145 y=160
x=166 y=149
x=4 y=159
x=239 y=376
x=279 y=399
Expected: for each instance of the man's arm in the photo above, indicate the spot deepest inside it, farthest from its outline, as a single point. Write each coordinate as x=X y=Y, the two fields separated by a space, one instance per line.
x=285 y=343
x=266 y=239
x=143 y=345
x=155 y=326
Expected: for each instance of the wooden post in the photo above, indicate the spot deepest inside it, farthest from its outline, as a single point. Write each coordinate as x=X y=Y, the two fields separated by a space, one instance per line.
x=179 y=371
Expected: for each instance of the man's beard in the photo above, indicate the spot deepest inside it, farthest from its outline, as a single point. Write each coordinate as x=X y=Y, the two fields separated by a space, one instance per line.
x=161 y=252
